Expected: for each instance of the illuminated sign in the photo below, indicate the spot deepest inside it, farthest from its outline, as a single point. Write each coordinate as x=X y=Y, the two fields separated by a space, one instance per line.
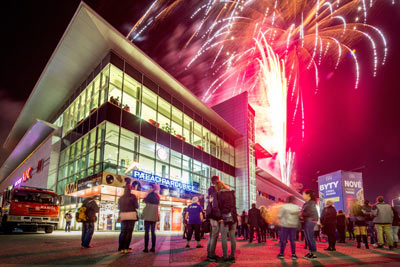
x=151 y=178
x=26 y=176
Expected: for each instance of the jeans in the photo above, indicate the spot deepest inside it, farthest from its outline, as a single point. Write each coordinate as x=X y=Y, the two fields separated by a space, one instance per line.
x=257 y=229
x=395 y=230
x=309 y=234
x=225 y=231
x=87 y=233
x=196 y=229
x=147 y=226
x=212 y=241
x=288 y=234
x=125 y=236
x=68 y=227
x=245 y=231
x=387 y=229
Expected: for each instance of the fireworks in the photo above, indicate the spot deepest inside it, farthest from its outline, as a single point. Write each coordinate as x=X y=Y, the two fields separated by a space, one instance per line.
x=265 y=47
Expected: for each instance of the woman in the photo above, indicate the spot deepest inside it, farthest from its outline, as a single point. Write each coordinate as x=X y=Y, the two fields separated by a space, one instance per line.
x=341 y=226
x=357 y=214
x=289 y=221
x=329 y=220
x=127 y=205
x=151 y=217
x=310 y=216
x=227 y=219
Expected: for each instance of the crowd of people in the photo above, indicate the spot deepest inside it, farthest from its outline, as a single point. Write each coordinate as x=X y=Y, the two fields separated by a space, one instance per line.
x=376 y=225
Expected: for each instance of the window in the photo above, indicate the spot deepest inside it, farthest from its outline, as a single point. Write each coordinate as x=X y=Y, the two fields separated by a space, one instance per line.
x=103 y=87
x=164 y=115
x=177 y=123
x=197 y=135
x=131 y=95
x=129 y=140
x=112 y=133
x=162 y=169
x=116 y=76
x=126 y=159
x=175 y=174
x=213 y=144
x=149 y=106
x=147 y=147
x=176 y=159
x=146 y=164
x=206 y=143
x=187 y=163
x=187 y=129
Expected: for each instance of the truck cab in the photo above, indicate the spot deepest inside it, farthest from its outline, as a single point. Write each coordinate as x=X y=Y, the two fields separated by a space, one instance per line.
x=30 y=209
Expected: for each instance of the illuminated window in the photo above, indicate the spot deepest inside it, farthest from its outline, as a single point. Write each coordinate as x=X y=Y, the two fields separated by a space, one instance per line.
x=115 y=92
x=147 y=147
x=131 y=95
x=149 y=106
x=146 y=164
x=177 y=117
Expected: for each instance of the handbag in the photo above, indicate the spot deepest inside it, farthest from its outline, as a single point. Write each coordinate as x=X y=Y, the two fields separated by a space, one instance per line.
x=129 y=216
x=227 y=217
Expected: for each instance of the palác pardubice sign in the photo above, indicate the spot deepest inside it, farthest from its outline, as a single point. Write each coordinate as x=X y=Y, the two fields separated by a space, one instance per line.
x=151 y=178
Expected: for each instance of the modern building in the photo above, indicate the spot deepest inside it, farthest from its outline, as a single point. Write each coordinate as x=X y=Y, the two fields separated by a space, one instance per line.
x=104 y=114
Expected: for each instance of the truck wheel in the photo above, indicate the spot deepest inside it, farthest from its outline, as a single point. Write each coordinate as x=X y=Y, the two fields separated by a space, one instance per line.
x=48 y=229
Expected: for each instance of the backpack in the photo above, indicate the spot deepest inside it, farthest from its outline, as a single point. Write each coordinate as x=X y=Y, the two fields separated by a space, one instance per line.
x=80 y=215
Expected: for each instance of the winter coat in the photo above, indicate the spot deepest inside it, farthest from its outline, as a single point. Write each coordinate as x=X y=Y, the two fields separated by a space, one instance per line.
x=341 y=219
x=150 y=211
x=309 y=211
x=383 y=213
x=328 y=216
x=245 y=219
x=254 y=217
x=289 y=215
x=212 y=211
x=226 y=203
x=128 y=203
x=91 y=209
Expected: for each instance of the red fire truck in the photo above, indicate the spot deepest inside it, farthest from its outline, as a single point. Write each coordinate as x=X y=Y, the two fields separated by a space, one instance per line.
x=29 y=209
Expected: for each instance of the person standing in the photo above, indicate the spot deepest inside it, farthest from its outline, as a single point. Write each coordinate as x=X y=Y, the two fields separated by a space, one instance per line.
x=151 y=217
x=194 y=216
x=368 y=220
x=289 y=222
x=228 y=219
x=245 y=225
x=127 y=205
x=383 y=221
x=185 y=223
x=350 y=228
x=213 y=215
x=239 y=226
x=263 y=224
x=329 y=221
x=395 y=227
x=341 y=226
x=309 y=214
x=88 y=226
x=254 y=219
x=68 y=220
x=357 y=214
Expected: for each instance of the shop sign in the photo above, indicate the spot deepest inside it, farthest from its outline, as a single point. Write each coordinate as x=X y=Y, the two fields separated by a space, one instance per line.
x=151 y=178
x=26 y=176
x=82 y=184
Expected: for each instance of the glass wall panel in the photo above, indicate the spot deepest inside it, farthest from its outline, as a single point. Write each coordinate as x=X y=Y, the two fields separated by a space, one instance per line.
x=131 y=95
x=177 y=122
x=146 y=164
x=176 y=159
x=213 y=144
x=162 y=169
x=147 y=147
x=112 y=133
x=115 y=88
x=187 y=129
x=206 y=140
x=149 y=106
x=175 y=174
x=104 y=85
x=129 y=140
x=197 y=136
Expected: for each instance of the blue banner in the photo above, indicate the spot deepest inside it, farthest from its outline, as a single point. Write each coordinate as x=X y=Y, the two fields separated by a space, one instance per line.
x=352 y=189
x=330 y=188
x=155 y=179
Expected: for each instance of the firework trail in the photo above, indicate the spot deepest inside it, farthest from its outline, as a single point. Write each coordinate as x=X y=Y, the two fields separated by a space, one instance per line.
x=239 y=38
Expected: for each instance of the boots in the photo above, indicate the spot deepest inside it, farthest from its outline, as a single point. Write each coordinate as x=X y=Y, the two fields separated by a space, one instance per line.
x=358 y=237
x=365 y=240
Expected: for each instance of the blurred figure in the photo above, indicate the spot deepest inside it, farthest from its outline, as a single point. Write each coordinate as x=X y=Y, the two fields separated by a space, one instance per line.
x=357 y=214
x=317 y=231
x=185 y=223
x=245 y=225
x=395 y=227
x=194 y=217
x=239 y=226
x=289 y=222
x=341 y=226
x=68 y=220
x=329 y=221
x=213 y=214
x=350 y=228
x=383 y=221
x=228 y=216
x=263 y=224
x=368 y=220
x=254 y=219
x=310 y=216
x=127 y=205
x=151 y=216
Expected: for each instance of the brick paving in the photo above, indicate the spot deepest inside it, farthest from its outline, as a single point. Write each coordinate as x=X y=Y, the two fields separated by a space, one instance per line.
x=63 y=249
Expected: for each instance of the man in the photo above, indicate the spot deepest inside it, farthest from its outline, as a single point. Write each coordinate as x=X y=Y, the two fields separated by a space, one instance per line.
x=68 y=220
x=383 y=220
x=88 y=226
x=254 y=218
x=194 y=216
x=368 y=219
x=289 y=221
x=245 y=225
x=395 y=227
x=213 y=215
x=341 y=226
x=329 y=220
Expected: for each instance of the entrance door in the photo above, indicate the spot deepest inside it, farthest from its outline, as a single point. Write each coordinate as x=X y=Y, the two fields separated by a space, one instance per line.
x=165 y=218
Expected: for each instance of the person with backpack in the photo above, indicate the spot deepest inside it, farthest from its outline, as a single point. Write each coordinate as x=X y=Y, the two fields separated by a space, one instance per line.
x=329 y=221
x=127 y=205
x=194 y=216
x=151 y=217
x=68 y=220
x=90 y=209
x=228 y=219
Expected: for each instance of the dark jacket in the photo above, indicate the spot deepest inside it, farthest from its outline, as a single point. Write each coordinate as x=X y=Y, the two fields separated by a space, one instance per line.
x=329 y=216
x=212 y=211
x=309 y=211
x=245 y=219
x=127 y=203
x=226 y=203
x=367 y=210
x=91 y=209
x=150 y=212
x=396 y=217
x=341 y=219
x=254 y=217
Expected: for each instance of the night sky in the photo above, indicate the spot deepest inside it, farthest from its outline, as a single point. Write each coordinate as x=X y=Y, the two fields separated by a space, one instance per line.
x=346 y=129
